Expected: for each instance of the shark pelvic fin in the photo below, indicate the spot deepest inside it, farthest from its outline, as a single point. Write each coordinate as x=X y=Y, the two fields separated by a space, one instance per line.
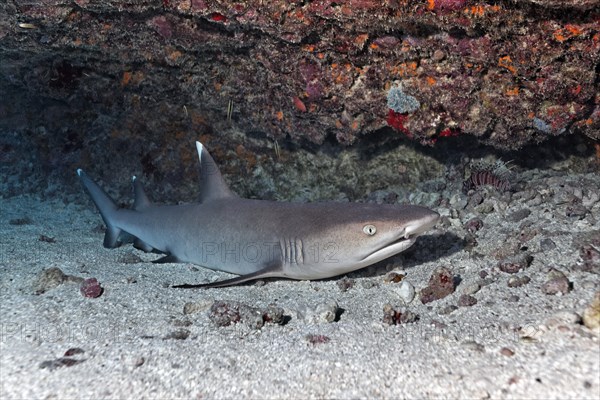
x=212 y=185
x=268 y=272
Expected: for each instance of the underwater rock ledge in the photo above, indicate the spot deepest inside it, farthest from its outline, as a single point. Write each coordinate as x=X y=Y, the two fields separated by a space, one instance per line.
x=509 y=73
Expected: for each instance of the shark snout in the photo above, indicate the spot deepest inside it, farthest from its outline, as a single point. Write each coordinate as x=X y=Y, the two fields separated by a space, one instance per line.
x=421 y=224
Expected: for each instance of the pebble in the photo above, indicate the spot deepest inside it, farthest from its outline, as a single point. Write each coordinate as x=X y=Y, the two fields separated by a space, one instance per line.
x=514 y=264
x=325 y=312
x=48 y=279
x=225 y=313
x=448 y=309
x=193 y=307
x=485 y=208
x=406 y=291
x=518 y=215
x=557 y=283
x=466 y=300
x=345 y=283
x=394 y=277
x=472 y=288
x=505 y=351
x=518 y=281
x=577 y=211
x=547 y=244
x=591 y=315
x=392 y=316
x=473 y=225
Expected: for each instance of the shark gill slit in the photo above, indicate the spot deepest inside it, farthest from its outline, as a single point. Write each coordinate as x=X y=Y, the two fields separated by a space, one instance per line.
x=292 y=250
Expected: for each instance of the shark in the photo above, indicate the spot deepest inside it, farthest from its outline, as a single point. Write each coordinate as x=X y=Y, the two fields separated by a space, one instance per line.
x=256 y=239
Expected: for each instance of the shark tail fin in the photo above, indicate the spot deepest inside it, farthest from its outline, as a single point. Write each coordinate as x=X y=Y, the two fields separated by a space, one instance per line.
x=107 y=207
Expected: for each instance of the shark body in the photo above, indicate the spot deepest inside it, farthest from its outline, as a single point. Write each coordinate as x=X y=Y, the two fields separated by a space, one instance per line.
x=257 y=238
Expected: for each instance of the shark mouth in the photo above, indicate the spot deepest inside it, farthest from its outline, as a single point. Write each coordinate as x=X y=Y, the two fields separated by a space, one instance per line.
x=390 y=249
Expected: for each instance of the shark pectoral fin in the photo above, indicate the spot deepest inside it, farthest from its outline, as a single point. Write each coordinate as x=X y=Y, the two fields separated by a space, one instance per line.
x=268 y=272
x=169 y=258
x=141 y=245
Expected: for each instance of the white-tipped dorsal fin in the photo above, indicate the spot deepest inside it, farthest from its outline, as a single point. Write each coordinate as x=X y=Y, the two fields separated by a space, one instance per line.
x=141 y=200
x=212 y=185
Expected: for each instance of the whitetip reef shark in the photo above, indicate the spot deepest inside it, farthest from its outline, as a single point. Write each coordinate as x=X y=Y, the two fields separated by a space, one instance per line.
x=257 y=238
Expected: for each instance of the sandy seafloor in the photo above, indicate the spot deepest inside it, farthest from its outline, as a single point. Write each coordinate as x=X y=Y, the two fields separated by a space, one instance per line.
x=516 y=342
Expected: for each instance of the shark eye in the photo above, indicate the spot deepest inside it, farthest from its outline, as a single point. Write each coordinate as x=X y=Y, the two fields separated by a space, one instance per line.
x=369 y=229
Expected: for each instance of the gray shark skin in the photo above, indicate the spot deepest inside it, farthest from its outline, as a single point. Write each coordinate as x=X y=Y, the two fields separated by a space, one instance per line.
x=257 y=238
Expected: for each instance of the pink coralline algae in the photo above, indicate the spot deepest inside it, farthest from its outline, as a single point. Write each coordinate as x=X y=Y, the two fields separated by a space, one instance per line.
x=91 y=288
x=449 y=5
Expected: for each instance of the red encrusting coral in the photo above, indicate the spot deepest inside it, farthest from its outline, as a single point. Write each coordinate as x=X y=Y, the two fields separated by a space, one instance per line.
x=448 y=132
x=217 y=17
x=396 y=120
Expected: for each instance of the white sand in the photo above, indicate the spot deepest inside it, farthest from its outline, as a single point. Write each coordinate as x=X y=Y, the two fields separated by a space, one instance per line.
x=126 y=356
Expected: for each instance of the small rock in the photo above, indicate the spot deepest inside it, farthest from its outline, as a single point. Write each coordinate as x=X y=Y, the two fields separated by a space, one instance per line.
x=393 y=277
x=73 y=351
x=485 y=208
x=406 y=291
x=547 y=244
x=473 y=225
x=577 y=211
x=224 y=313
x=590 y=255
x=345 y=283
x=466 y=300
x=392 y=316
x=274 y=314
x=557 y=283
x=518 y=281
x=518 y=215
x=448 y=310
x=60 y=362
x=48 y=279
x=505 y=351
x=591 y=315
x=368 y=284
x=472 y=288
x=325 y=312
x=441 y=284
x=514 y=264
x=196 y=306
x=91 y=288
x=513 y=298
x=180 y=334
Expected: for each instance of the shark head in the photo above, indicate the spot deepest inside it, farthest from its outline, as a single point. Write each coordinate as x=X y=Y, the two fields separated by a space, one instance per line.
x=357 y=235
